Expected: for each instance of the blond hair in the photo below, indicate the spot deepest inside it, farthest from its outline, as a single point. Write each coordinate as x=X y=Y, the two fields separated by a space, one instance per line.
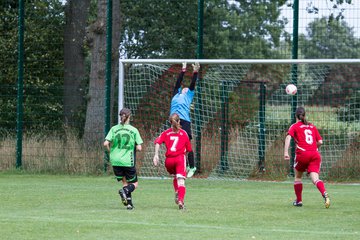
x=174 y=119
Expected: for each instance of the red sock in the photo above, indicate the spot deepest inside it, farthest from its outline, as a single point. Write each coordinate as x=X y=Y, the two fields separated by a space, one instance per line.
x=175 y=185
x=298 y=187
x=181 y=193
x=320 y=185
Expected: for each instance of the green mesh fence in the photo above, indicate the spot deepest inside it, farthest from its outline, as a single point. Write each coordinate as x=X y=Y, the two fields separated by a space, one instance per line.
x=64 y=102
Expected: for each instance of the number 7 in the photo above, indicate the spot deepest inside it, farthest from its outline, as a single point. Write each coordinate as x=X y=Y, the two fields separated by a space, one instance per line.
x=176 y=140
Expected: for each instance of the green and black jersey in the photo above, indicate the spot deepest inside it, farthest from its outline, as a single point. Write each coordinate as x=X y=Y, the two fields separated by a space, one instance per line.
x=123 y=138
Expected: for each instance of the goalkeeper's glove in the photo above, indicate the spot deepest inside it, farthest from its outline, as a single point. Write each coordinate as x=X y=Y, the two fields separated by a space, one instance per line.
x=196 y=67
x=184 y=67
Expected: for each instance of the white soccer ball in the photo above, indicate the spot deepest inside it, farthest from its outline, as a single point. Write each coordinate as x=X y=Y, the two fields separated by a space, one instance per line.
x=291 y=89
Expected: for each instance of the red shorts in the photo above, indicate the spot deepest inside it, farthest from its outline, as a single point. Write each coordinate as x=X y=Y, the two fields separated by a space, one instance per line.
x=176 y=165
x=309 y=161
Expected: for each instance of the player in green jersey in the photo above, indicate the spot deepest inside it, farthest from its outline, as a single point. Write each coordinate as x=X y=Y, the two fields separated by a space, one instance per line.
x=122 y=141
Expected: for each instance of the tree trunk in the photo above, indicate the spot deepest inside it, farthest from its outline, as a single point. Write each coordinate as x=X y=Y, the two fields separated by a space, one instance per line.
x=95 y=114
x=76 y=13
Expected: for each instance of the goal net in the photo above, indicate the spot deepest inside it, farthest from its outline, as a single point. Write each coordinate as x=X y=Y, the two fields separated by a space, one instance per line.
x=241 y=113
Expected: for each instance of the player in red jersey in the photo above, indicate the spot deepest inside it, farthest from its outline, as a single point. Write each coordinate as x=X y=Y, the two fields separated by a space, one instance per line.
x=177 y=144
x=307 y=157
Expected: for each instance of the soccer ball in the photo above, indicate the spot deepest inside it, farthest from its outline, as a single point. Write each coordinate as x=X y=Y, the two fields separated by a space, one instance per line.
x=291 y=89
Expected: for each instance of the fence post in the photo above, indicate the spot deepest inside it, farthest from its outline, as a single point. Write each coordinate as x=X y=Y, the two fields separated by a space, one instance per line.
x=20 y=86
x=108 y=75
x=262 y=127
x=199 y=103
x=224 y=127
x=294 y=73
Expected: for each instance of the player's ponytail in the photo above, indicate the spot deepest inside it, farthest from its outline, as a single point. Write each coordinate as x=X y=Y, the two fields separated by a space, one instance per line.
x=124 y=115
x=174 y=119
x=300 y=114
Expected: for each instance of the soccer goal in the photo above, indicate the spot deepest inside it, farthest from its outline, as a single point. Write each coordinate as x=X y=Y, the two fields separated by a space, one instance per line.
x=241 y=112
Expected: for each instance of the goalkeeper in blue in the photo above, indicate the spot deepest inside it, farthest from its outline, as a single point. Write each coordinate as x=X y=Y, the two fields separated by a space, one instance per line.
x=122 y=141
x=180 y=104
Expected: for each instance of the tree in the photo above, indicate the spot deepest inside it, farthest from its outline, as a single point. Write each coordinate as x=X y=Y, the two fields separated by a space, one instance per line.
x=336 y=12
x=43 y=71
x=153 y=29
x=242 y=29
x=95 y=112
x=333 y=39
x=168 y=29
x=76 y=15
x=329 y=39
x=8 y=65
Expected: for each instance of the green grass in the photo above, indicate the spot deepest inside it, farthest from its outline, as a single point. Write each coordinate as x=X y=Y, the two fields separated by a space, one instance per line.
x=79 y=207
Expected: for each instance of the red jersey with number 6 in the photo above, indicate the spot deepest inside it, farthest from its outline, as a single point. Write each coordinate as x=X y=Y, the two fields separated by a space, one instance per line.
x=176 y=143
x=305 y=136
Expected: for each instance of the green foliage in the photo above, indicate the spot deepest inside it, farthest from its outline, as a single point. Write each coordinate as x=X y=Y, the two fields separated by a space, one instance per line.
x=8 y=57
x=336 y=12
x=351 y=111
x=168 y=29
x=244 y=105
x=242 y=29
x=340 y=83
x=43 y=63
x=153 y=29
x=329 y=39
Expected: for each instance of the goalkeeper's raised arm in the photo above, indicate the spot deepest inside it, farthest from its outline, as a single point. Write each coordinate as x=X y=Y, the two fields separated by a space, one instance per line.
x=179 y=79
x=196 y=68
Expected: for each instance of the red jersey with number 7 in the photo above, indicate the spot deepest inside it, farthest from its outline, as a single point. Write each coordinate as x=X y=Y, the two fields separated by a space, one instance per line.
x=305 y=136
x=176 y=143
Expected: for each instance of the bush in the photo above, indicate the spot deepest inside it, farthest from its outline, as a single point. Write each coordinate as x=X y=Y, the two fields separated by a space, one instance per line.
x=351 y=111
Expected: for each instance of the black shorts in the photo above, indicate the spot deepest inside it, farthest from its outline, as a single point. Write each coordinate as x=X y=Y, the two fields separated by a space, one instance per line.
x=186 y=126
x=128 y=172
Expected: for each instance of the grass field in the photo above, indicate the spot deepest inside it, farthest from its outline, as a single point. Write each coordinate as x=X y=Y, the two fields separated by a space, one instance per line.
x=79 y=207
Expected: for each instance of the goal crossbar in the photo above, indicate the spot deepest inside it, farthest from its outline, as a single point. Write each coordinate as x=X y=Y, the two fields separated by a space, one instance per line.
x=242 y=61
